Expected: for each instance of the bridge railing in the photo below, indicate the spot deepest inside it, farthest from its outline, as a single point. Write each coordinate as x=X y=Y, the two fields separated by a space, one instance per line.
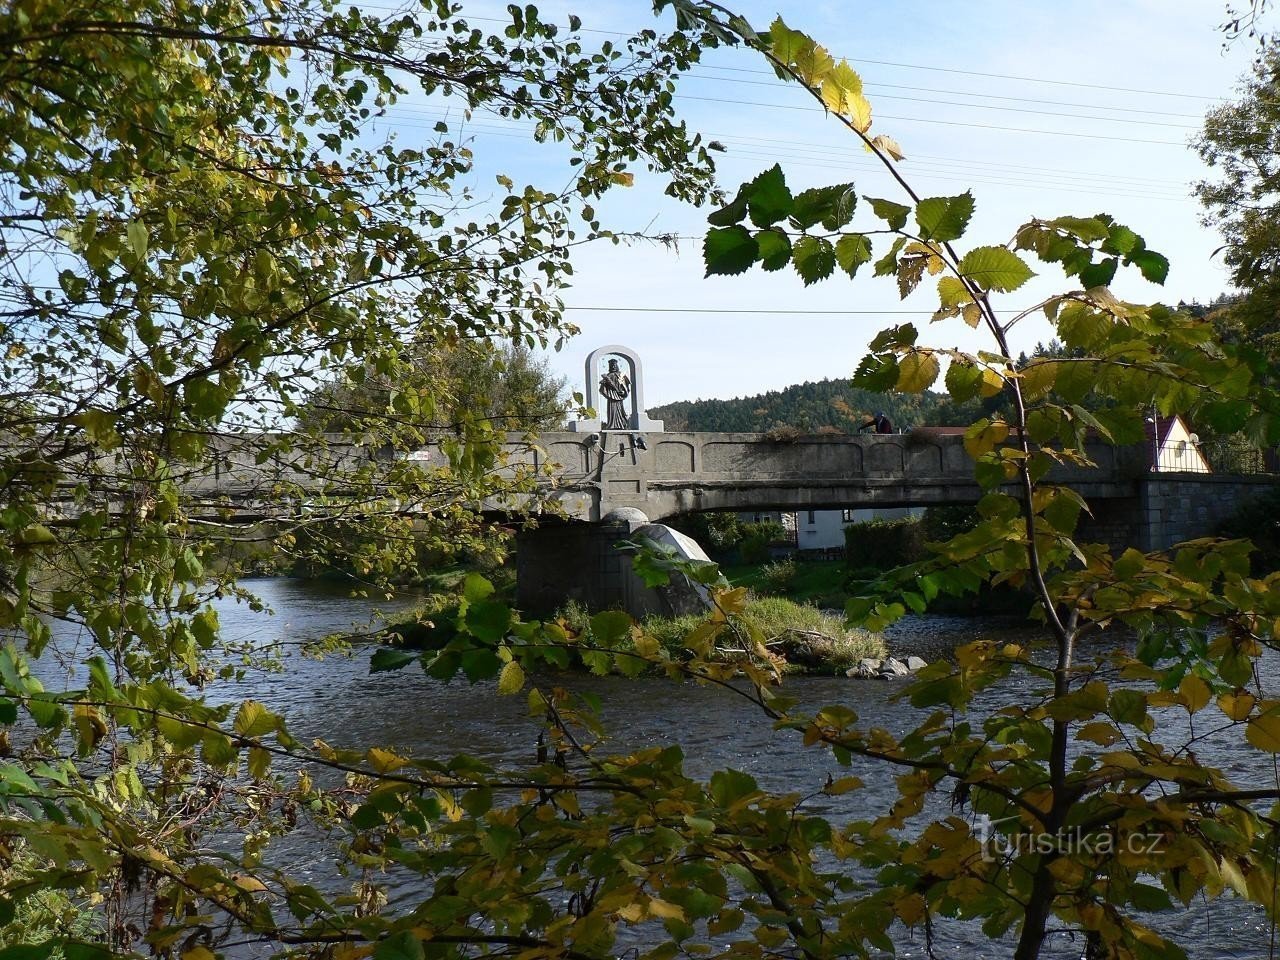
x=1234 y=455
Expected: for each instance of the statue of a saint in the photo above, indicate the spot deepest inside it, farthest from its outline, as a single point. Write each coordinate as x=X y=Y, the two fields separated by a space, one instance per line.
x=615 y=386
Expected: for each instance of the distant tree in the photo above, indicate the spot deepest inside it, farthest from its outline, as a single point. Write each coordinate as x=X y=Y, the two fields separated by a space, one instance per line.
x=504 y=384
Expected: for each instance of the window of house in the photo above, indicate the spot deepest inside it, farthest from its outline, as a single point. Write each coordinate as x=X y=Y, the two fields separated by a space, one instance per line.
x=846 y=516
x=812 y=520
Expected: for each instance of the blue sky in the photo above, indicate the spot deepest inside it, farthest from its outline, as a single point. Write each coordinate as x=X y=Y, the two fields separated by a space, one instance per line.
x=1041 y=108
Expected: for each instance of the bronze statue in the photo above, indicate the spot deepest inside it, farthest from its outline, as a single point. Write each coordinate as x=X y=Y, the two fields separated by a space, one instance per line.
x=615 y=386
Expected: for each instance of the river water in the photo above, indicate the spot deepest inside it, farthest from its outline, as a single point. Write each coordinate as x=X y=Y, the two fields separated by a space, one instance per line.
x=338 y=700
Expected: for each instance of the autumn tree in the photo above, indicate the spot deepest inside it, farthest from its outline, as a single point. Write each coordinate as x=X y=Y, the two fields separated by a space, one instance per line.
x=216 y=238
x=204 y=211
x=504 y=385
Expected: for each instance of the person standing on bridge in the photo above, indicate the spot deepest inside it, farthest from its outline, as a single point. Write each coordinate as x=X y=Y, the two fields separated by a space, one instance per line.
x=615 y=387
x=878 y=424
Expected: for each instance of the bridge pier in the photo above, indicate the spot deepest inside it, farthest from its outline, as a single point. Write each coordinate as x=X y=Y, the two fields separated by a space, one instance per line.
x=582 y=562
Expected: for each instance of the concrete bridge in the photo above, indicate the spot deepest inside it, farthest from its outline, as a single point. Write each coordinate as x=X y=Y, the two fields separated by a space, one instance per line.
x=617 y=486
x=611 y=484
x=675 y=473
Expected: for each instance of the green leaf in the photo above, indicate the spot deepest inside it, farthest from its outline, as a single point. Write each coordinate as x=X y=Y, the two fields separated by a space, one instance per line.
x=488 y=621
x=729 y=251
x=815 y=259
x=400 y=946
x=733 y=213
x=1099 y=274
x=775 y=249
x=768 y=199
x=730 y=786
x=476 y=588
x=1154 y=266
x=831 y=206
x=852 y=251
x=253 y=720
x=610 y=627
x=963 y=380
x=1129 y=564
x=138 y=238
x=944 y=218
x=877 y=373
x=894 y=214
x=995 y=268
x=389 y=658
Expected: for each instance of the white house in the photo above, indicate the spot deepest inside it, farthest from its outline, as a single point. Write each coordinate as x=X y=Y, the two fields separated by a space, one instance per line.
x=1172 y=447
x=824 y=529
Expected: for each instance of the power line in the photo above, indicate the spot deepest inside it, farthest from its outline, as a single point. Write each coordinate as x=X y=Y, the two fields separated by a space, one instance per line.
x=950 y=123
x=986 y=106
x=969 y=93
x=745 y=310
x=800 y=147
x=891 y=63
x=964 y=161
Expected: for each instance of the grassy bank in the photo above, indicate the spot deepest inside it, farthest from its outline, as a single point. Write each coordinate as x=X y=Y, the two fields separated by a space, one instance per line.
x=810 y=640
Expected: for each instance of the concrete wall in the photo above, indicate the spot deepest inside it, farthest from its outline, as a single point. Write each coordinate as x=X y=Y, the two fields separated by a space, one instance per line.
x=692 y=472
x=1177 y=507
x=582 y=562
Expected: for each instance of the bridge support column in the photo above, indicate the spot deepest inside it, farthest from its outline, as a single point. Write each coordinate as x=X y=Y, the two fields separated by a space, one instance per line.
x=581 y=562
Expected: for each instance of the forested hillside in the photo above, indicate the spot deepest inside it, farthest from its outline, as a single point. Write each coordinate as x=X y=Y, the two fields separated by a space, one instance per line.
x=810 y=407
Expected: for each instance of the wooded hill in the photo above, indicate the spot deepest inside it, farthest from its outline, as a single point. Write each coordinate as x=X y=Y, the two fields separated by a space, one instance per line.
x=822 y=405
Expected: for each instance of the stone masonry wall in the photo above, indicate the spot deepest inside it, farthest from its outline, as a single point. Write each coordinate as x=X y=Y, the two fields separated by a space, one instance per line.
x=1183 y=507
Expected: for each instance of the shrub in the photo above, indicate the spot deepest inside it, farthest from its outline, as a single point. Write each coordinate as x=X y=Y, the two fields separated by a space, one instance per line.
x=882 y=544
x=779 y=576
x=756 y=537
x=809 y=638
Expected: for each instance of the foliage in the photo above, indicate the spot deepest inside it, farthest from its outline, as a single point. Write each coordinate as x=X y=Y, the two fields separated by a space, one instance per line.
x=1033 y=768
x=809 y=640
x=718 y=531
x=505 y=386
x=879 y=545
x=1239 y=143
x=201 y=216
x=756 y=539
x=779 y=576
x=812 y=406
x=225 y=258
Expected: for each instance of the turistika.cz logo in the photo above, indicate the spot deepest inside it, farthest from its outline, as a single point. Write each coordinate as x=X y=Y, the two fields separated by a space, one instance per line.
x=999 y=845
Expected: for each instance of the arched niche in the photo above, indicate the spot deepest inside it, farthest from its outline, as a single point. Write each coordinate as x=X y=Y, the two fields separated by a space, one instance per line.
x=629 y=362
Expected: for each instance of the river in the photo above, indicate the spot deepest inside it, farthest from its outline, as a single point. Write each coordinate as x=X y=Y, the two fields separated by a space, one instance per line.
x=338 y=700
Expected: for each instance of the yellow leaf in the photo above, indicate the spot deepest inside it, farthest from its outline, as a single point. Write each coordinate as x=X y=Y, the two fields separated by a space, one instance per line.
x=511 y=680
x=843 y=785
x=665 y=911
x=1038 y=379
x=890 y=146
x=1264 y=732
x=917 y=371
x=1237 y=706
x=632 y=913
x=992 y=382
x=198 y=953
x=1234 y=878
x=860 y=113
x=248 y=883
x=384 y=761
x=1103 y=734
x=732 y=601
x=1195 y=691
